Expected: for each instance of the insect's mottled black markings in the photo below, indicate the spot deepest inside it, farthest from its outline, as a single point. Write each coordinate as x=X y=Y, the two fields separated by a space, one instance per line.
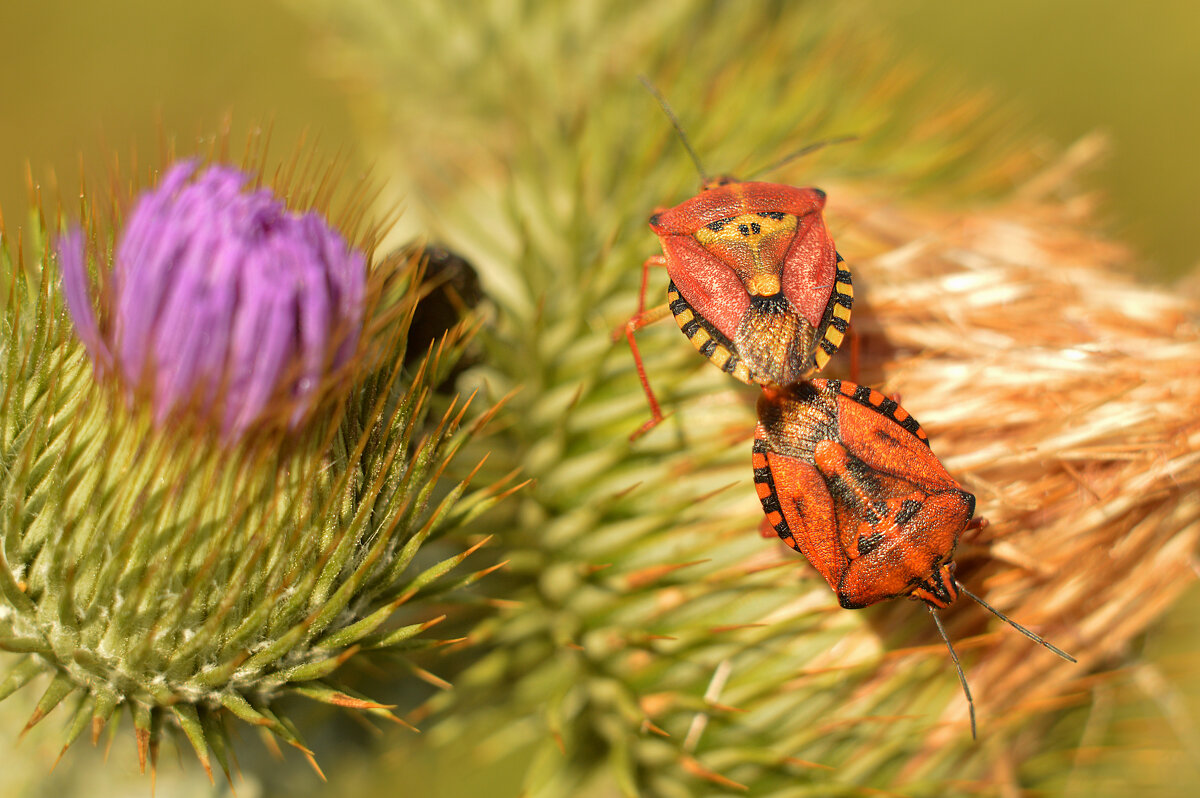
x=770 y=502
x=885 y=407
x=836 y=320
x=866 y=545
x=937 y=587
x=908 y=509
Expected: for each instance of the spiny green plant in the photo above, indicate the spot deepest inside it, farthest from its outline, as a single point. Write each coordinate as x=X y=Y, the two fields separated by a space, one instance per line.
x=653 y=643
x=157 y=564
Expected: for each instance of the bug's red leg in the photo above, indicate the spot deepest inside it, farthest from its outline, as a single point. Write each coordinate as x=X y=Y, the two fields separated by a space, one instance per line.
x=765 y=530
x=633 y=325
x=639 y=320
x=654 y=260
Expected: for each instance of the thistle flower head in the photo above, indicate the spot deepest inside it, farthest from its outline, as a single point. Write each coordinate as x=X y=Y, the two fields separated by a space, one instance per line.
x=221 y=293
x=194 y=584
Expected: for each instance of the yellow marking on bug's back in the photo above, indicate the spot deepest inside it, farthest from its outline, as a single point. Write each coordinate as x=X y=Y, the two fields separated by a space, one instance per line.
x=845 y=289
x=683 y=318
x=841 y=312
x=834 y=336
x=822 y=357
x=742 y=372
x=763 y=285
x=743 y=240
x=746 y=227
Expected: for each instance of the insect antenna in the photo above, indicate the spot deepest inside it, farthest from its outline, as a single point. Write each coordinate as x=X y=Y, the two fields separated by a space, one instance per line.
x=687 y=145
x=962 y=677
x=800 y=153
x=1035 y=638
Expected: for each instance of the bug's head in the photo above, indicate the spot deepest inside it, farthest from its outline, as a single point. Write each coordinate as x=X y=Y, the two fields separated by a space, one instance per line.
x=909 y=551
x=938 y=590
x=718 y=181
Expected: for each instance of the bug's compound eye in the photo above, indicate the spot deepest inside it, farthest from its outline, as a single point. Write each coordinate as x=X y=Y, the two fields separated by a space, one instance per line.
x=654 y=220
x=820 y=194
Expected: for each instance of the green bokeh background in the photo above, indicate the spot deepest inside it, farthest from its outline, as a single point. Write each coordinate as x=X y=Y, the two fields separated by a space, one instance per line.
x=90 y=80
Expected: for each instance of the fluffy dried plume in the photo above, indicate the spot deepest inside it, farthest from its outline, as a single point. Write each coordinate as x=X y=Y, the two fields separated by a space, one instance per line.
x=1064 y=394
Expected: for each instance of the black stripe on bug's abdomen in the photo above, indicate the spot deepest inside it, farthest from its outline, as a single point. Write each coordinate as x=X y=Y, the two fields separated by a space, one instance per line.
x=770 y=502
x=862 y=395
x=885 y=405
x=707 y=339
x=836 y=319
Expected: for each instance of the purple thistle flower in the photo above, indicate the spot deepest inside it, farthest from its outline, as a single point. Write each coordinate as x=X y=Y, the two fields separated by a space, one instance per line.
x=221 y=293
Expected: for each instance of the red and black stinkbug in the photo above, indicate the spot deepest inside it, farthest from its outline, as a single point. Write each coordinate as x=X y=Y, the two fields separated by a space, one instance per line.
x=755 y=281
x=847 y=478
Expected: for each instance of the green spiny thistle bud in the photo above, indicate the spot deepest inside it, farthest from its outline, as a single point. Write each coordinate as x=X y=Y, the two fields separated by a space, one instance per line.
x=235 y=508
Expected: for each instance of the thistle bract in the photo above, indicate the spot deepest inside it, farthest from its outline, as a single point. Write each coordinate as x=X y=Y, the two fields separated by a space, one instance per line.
x=156 y=567
x=221 y=293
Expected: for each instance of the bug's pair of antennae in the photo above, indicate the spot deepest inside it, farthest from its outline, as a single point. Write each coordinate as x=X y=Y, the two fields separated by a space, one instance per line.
x=687 y=145
x=1034 y=637
x=962 y=678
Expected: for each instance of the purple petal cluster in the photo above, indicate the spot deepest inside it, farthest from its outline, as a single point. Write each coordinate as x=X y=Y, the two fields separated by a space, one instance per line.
x=221 y=293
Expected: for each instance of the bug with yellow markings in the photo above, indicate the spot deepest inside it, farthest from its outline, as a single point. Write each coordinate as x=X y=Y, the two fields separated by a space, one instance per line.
x=756 y=283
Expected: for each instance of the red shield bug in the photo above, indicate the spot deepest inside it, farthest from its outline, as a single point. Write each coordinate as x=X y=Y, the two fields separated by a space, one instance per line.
x=847 y=478
x=755 y=281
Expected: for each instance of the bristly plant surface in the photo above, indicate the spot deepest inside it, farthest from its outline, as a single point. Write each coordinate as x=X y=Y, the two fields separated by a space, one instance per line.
x=166 y=571
x=651 y=642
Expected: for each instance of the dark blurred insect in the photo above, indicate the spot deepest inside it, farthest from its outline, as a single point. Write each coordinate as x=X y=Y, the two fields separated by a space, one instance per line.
x=755 y=281
x=847 y=478
x=453 y=291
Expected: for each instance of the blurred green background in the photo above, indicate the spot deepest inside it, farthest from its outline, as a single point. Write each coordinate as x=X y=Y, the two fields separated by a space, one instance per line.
x=90 y=80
